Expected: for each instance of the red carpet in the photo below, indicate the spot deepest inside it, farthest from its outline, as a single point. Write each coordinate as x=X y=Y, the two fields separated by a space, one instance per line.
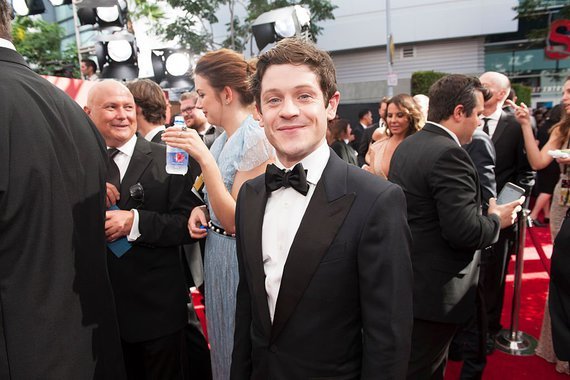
x=533 y=297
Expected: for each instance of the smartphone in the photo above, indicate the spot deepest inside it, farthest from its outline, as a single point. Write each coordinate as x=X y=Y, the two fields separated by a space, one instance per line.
x=509 y=193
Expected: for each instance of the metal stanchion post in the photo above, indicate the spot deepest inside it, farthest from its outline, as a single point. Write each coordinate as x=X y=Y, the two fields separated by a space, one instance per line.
x=514 y=341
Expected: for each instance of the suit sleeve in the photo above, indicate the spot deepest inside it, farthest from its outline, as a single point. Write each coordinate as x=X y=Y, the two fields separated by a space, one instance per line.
x=385 y=278
x=241 y=355
x=482 y=152
x=169 y=226
x=454 y=189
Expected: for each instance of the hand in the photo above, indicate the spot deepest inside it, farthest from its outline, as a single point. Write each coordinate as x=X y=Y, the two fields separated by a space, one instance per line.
x=113 y=195
x=198 y=218
x=563 y=161
x=118 y=223
x=522 y=113
x=187 y=139
x=507 y=213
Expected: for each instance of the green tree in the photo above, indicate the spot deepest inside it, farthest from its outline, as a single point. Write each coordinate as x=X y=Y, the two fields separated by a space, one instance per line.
x=193 y=28
x=422 y=81
x=40 y=44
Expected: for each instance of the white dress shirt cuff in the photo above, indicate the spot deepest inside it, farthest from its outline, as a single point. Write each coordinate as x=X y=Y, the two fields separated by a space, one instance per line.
x=135 y=233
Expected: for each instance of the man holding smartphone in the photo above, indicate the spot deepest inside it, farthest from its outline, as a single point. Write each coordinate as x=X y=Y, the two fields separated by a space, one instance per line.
x=444 y=214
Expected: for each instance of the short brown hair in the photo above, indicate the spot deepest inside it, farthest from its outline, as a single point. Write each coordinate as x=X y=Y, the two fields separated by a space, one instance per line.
x=225 y=67
x=5 y=20
x=337 y=127
x=150 y=98
x=297 y=52
x=451 y=91
x=406 y=104
x=189 y=95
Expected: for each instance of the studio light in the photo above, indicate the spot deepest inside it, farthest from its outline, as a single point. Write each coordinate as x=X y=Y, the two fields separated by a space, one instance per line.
x=172 y=67
x=281 y=23
x=102 y=17
x=117 y=56
x=28 y=7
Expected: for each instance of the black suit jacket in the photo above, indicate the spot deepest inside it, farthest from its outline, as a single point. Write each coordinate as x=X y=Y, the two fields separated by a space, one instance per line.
x=482 y=153
x=57 y=315
x=344 y=306
x=148 y=280
x=512 y=164
x=345 y=152
x=365 y=141
x=442 y=192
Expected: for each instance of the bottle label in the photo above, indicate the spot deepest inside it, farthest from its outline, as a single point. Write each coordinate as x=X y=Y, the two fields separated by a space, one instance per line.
x=177 y=158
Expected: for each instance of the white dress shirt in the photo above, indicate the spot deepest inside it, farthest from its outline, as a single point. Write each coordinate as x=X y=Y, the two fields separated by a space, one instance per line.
x=453 y=135
x=153 y=132
x=493 y=120
x=122 y=159
x=283 y=214
x=7 y=44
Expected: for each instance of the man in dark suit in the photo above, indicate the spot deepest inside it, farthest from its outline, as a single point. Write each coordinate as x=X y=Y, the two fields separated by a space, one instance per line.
x=325 y=281
x=511 y=166
x=151 y=109
x=195 y=118
x=364 y=120
x=57 y=316
x=148 y=279
x=366 y=138
x=443 y=201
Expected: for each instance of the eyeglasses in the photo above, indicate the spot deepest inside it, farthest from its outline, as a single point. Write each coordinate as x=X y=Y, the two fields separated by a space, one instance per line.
x=187 y=110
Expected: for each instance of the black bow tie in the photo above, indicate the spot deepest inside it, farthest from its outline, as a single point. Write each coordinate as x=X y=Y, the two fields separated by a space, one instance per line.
x=276 y=178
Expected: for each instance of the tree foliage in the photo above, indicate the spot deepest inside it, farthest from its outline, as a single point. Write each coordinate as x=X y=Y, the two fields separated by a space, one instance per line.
x=193 y=29
x=422 y=81
x=40 y=44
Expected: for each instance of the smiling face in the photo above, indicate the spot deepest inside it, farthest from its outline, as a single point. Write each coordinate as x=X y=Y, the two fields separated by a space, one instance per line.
x=294 y=111
x=209 y=100
x=398 y=121
x=112 y=108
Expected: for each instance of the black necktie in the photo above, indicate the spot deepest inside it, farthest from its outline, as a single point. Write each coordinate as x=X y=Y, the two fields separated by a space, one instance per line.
x=486 y=125
x=296 y=178
x=113 y=174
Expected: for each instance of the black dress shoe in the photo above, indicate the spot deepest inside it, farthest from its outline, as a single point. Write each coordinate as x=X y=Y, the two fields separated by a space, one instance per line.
x=538 y=223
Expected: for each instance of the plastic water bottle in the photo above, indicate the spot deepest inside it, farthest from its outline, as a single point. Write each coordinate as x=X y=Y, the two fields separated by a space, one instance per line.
x=176 y=159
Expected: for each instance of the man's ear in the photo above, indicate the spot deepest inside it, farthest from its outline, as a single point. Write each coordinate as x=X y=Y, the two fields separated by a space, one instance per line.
x=87 y=110
x=333 y=105
x=458 y=112
x=258 y=108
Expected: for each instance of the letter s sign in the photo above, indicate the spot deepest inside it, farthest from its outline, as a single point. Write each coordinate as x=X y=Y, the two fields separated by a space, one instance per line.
x=560 y=34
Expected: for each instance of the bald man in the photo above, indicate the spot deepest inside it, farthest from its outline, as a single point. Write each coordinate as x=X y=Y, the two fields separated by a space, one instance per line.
x=148 y=280
x=511 y=166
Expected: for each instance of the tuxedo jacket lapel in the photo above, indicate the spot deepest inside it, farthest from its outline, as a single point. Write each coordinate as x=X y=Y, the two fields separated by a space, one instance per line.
x=140 y=160
x=329 y=203
x=254 y=206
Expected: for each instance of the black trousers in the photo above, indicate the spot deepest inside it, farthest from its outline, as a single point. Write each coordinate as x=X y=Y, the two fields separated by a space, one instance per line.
x=161 y=358
x=430 y=345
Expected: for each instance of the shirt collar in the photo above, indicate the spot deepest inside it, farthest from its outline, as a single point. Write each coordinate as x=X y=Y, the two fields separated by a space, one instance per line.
x=150 y=135
x=448 y=131
x=7 y=44
x=129 y=147
x=495 y=115
x=314 y=163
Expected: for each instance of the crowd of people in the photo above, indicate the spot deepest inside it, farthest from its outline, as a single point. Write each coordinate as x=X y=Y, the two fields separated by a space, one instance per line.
x=377 y=257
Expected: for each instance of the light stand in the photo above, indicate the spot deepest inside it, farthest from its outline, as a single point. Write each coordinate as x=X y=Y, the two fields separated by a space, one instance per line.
x=514 y=341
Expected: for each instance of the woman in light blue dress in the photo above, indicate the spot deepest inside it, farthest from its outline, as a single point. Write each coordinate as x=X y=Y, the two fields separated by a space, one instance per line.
x=240 y=153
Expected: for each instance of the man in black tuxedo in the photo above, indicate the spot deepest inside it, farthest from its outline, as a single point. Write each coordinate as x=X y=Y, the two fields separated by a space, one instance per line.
x=325 y=275
x=148 y=279
x=57 y=316
x=364 y=120
x=443 y=201
x=151 y=109
x=511 y=166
